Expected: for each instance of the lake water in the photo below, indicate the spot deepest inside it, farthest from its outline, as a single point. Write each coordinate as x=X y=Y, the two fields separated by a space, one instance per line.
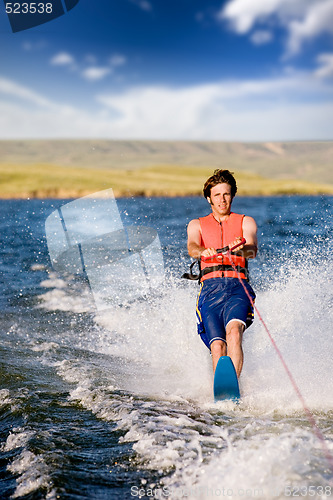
x=118 y=404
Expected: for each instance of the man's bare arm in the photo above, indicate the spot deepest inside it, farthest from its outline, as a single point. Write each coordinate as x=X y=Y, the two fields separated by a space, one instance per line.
x=249 y=250
x=194 y=239
x=194 y=247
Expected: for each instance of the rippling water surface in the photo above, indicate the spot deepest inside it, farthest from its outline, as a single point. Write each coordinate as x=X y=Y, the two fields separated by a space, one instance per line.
x=118 y=404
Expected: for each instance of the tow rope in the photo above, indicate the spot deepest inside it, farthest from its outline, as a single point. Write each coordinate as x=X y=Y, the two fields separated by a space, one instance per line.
x=307 y=411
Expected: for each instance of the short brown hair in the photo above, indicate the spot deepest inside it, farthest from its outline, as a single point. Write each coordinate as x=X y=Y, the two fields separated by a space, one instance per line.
x=220 y=177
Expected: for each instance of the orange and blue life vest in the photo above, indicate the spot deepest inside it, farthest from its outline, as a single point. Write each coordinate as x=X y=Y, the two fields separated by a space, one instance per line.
x=218 y=235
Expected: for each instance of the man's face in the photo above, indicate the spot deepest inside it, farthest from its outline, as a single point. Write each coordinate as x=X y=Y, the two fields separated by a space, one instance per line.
x=220 y=199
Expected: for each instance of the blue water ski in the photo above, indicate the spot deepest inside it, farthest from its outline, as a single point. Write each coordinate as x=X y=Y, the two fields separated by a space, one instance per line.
x=225 y=380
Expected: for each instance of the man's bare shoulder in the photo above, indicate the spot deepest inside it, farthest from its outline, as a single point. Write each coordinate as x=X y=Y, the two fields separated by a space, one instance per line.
x=194 y=224
x=249 y=223
x=194 y=227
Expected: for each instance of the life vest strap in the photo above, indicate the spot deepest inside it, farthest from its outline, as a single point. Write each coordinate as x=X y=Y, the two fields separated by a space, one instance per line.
x=224 y=268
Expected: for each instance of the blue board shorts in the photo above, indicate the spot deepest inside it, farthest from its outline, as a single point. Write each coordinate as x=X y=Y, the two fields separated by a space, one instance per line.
x=220 y=301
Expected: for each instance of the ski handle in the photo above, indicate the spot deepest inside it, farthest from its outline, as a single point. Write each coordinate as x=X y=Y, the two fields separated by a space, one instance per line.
x=225 y=250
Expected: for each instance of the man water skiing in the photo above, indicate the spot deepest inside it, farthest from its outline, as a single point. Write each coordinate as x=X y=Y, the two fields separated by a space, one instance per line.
x=223 y=307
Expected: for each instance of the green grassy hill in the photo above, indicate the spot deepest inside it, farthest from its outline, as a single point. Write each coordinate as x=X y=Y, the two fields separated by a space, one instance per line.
x=70 y=168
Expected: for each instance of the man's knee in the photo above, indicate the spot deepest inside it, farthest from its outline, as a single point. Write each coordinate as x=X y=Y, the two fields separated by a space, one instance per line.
x=234 y=332
x=217 y=346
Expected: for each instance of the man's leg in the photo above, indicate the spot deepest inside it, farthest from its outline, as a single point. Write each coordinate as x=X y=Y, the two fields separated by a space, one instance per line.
x=234 y=335
x=218 y=348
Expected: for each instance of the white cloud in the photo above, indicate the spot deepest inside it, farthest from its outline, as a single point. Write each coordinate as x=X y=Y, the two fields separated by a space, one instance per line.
x=235 y=110
x=295 y=107
x=117 y=60
x=62 y=59
x=326 y=68
x=18 y=91
x=143 y=5
x=90 y=59
x=303 y=19
x=94 y=73
x=317 y=20
x=31 y=115
x=38 y=45
x=261 y=37
x=243 y=14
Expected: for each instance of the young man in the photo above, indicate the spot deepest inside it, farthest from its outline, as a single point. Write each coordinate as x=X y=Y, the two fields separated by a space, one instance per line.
x=223 y=307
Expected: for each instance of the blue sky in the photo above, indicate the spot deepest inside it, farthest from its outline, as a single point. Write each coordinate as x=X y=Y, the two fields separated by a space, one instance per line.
x=242 y=70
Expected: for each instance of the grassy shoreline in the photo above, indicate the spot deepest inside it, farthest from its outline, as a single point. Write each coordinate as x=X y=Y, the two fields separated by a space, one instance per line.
x=57 y=181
